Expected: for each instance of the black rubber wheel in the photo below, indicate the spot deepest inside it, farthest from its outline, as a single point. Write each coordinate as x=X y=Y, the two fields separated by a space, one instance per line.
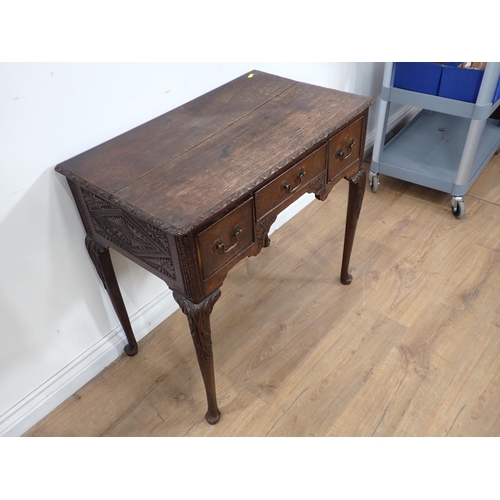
x=374 y=182
x=458 y=209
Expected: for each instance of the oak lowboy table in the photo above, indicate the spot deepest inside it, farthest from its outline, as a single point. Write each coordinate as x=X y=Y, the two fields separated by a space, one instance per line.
x=192 y=192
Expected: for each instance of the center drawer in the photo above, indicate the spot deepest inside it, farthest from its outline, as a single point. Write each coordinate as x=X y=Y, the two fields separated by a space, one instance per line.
x=295 y=179
x=226 y=238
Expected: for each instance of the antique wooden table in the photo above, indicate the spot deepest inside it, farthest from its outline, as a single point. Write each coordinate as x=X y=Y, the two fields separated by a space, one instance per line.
x=192 y=192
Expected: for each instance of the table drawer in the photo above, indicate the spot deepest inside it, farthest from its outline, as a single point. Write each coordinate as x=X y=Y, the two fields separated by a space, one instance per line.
x=344 y=149
x=287 y=184
x=226 y=238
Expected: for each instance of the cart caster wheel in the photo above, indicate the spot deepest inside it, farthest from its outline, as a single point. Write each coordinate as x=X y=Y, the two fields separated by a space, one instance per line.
x=374 y=182
x=458 y=207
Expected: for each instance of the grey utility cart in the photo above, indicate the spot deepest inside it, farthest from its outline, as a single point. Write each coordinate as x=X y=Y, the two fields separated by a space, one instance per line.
x=445 y=146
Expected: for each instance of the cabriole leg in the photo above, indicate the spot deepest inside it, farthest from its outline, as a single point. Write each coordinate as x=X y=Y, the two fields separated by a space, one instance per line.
x=198 y=316
x=102 y=262
x=357 y=184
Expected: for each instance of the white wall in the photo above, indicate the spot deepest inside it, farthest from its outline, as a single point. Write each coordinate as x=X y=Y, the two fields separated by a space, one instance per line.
x=57 y=326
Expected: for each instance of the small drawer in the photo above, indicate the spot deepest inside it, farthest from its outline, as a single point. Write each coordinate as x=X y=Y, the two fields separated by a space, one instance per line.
x=226 y=238
x=295 y=179
x=344 y=149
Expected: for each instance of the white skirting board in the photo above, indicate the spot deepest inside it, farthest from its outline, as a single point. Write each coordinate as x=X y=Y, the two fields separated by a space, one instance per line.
x=35 y=406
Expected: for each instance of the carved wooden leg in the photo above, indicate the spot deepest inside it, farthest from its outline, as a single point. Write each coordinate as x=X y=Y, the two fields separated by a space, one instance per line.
x=199 y=323
x=357 y=185
x=102 y=262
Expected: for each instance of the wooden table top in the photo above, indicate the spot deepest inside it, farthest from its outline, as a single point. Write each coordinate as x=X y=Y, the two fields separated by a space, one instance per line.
x=198 y=159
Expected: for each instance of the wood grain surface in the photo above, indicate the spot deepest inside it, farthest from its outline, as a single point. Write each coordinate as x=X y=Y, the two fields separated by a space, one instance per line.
x=119 y=162
x=410 y=348
x=244 y=155
x=201 y=157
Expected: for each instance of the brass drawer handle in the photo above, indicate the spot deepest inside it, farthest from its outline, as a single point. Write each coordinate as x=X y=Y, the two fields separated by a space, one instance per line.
x=219 y=245
x=288 y=188
x=339 y=154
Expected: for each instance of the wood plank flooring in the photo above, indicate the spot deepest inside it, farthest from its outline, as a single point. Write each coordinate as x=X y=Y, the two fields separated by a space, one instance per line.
x=410 y=348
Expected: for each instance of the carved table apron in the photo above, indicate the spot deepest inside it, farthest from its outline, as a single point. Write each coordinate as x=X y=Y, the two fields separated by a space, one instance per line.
x=192 y=192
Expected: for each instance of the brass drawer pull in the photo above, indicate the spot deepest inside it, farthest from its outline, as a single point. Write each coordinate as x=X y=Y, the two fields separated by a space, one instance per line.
x=219 y=245
x=339 y=154
x=288 y=188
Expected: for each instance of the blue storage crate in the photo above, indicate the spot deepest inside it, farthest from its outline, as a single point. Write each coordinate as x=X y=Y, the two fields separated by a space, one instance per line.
x=419 y=77
x=461 y=84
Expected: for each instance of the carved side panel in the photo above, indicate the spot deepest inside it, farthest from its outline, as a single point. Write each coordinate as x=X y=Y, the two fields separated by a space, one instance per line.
x=137 y=237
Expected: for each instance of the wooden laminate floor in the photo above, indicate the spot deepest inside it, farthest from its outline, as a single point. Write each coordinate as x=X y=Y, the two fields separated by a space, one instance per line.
x=410 y=348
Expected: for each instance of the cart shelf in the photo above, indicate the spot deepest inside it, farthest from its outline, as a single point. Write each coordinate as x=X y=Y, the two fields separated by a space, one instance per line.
x=437 y=103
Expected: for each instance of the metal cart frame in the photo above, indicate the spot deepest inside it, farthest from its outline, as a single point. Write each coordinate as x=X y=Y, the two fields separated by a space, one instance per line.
x=446 y=146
